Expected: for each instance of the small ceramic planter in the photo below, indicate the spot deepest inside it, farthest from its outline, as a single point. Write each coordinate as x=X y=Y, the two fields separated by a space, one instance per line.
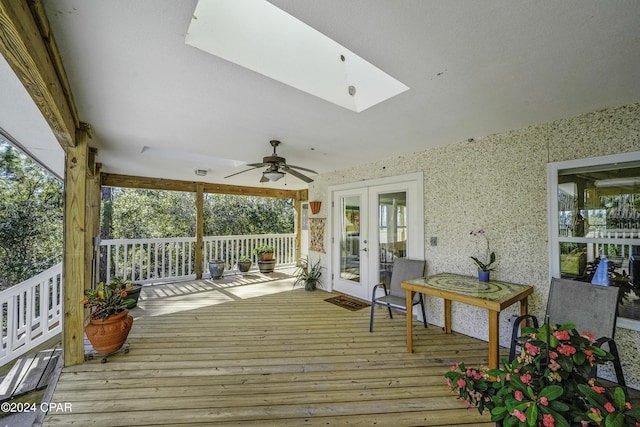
x=216 y=268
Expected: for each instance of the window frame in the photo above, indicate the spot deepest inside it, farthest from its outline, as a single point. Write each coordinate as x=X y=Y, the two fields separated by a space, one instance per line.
x=552 y=209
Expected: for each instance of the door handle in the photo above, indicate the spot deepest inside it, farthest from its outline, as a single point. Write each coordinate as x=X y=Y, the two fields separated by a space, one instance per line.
x=364 y=249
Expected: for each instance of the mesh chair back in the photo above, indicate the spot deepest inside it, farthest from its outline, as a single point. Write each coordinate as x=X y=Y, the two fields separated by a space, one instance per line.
x=404 y=269
x=591 y=307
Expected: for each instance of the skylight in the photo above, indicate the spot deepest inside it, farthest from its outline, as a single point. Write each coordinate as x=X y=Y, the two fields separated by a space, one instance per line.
x=261 y=37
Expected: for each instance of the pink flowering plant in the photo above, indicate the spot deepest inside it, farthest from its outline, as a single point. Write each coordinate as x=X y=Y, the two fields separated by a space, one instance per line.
x=547 y=385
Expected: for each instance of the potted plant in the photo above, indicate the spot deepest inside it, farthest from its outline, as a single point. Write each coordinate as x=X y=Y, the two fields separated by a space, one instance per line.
x=266 y=263
x=109 y=320
x=264 y=252
x=244 y=264
x=547 y=385
x=309 y=274
x=216 y=268
x=485 y=266
x=132 y=289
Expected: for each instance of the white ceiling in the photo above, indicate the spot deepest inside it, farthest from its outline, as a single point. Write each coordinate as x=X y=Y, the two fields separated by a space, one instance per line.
x=473 y=68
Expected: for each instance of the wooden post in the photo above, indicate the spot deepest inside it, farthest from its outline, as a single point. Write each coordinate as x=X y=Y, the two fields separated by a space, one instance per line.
x=95 y=203
x=301 y=196
x=74 y=260
x=199 y=228
x=92 y=215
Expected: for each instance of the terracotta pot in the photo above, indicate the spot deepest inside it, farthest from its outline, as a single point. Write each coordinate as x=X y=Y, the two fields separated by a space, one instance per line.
x=107 y=336
x=266 y=257
x=315 y=207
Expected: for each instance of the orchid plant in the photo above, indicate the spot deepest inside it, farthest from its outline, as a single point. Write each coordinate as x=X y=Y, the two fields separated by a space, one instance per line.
x=547 y=385
x=490 y=257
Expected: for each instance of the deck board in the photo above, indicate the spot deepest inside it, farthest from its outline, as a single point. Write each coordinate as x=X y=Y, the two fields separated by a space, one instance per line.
x=259 y=353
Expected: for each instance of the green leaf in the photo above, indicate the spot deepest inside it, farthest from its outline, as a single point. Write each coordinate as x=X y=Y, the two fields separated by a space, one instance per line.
x=592 y=396
x=552 y=392
x=566 y=363
x=545 y=334
x=561 y=421
x=614 y=420
x=510 y=421
x=597 y=351
x=619 y=398
x=498 y=410
x=559 y=406
x=579 y=358
x=532 y=415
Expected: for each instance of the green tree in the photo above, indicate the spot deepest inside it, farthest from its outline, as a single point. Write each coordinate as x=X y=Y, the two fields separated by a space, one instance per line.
x=238 y=215
x=31 y=217
x=134 y=213
x=138 y=214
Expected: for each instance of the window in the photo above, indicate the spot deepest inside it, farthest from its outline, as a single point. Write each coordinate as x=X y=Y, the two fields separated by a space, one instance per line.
x=594 y=207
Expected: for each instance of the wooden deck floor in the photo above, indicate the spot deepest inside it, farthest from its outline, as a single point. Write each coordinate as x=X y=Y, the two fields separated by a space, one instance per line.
x=252 y=353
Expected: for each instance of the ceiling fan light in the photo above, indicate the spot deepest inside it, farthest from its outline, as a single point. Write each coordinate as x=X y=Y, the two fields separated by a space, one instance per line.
x=273 y=175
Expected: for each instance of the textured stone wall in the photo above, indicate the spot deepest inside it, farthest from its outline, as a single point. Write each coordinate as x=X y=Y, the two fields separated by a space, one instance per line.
x=499 y=183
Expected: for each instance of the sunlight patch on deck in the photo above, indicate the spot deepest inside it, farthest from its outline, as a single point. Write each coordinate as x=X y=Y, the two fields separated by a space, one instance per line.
x=161 y=299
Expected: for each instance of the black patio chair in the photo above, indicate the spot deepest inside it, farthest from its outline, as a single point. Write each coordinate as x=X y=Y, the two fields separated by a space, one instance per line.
x=394 y=298
x=590 y=307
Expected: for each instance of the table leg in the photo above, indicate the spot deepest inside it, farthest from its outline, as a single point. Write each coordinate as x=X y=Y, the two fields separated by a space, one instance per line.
x=524 y=306
x=494 y=338
x=447 y=316
x=410 y=295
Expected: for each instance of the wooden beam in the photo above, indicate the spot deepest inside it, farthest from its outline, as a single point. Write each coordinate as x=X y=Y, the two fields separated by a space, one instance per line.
x=74 y=258
x=40 y=16
x=249 y=191
x=199 y=229
x=22 y=46
x=129 y=181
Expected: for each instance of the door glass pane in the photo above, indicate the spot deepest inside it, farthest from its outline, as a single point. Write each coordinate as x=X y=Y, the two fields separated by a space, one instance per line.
x=350 y=238
x=392 y=231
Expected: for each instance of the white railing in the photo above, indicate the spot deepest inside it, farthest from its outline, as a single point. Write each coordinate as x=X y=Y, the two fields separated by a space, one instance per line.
x=32 y=310
x=31 y=313
x=161 y=260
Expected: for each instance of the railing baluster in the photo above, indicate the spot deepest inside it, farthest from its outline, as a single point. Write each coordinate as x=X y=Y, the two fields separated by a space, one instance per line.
x=25 y=315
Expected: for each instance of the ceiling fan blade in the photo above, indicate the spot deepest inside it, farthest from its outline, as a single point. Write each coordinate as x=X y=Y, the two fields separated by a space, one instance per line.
x=297 y=174
x=258 y=165
x=238 y=173
x=301 y=168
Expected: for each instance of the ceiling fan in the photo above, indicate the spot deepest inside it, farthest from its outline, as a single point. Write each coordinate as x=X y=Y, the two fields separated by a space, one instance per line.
x=276 y=167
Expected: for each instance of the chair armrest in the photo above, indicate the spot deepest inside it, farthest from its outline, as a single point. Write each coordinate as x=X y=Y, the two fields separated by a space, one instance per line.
x=603 y=340
x=514 y=333
x=518 y=321
x=375 y=288
x=617 y=365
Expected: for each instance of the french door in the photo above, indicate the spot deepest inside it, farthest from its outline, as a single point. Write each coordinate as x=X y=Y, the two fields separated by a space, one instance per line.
x=372 y=226
x=350 y=242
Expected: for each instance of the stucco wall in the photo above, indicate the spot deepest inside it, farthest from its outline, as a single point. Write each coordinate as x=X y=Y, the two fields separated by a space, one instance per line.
x=499 y=183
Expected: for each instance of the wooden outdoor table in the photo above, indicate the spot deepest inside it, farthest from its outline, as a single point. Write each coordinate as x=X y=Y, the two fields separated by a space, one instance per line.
x=495 y=296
